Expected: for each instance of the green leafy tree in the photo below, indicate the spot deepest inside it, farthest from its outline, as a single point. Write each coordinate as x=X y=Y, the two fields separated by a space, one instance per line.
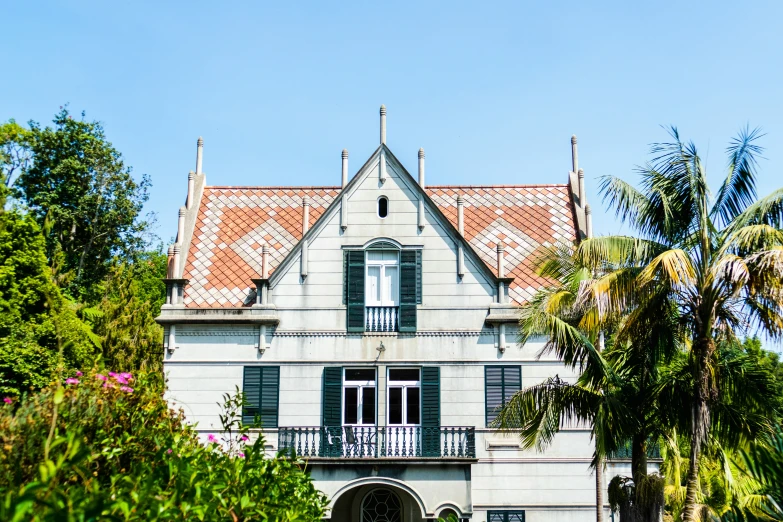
x=100 y=447
x=14 y=151
x=743 y=411
x=125 y=317
x=80 y=192
x=34 y=316
x=718 y=261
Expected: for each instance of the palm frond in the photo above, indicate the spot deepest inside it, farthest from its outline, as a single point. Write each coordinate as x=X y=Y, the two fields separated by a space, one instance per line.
x=766 y=211
x=617 y=250
x=673 y=266
x=739 y=188
x=751 y=238
x=539 y=411
x=629 y=203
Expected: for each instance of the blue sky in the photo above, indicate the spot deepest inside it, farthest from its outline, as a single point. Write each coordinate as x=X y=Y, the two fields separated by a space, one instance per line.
x=493 y=92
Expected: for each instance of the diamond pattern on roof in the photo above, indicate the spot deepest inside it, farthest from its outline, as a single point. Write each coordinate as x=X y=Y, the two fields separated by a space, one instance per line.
x=233 y=224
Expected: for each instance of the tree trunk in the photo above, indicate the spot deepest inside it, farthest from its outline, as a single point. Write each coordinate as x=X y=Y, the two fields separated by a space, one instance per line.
x=702 y=351
x=639 y=457
x=599 y=491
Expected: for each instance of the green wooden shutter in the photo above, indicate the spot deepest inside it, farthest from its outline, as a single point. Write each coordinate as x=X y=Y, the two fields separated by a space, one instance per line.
x=354 y=284
x=430 y=411
x=251 y=387
x=261 y=386
x=500 y=384
x=410 y=269
x=331 y=412
x=270 y=396
x=331 y=400
x=418 y=276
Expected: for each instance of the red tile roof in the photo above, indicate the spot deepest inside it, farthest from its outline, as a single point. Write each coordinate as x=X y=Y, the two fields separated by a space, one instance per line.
x=233 y=224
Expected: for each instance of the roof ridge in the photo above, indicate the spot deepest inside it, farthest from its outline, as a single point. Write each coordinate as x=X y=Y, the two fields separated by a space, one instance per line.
x=277 y=187
x=337 y=187
x=537 y=185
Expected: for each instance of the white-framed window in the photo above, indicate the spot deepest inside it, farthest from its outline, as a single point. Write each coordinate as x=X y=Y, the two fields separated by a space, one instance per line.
x=382 y=287
x=403 y=397
x=359 y=397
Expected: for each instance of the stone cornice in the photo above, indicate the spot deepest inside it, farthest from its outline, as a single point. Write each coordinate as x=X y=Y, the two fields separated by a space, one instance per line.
x=252 y=315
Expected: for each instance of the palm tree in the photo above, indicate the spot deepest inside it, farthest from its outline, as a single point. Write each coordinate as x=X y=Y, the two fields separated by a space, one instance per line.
x=717 y=261
x=575 y=336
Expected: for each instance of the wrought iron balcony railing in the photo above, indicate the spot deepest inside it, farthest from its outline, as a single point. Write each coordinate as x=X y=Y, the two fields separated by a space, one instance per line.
x=379 y=441
x=380 y=318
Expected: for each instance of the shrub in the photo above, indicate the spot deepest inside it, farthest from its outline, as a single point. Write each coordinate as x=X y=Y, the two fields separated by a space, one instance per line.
x=107 y=447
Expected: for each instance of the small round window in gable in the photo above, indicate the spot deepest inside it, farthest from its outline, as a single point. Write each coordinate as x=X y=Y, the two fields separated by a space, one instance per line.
x=383 y=207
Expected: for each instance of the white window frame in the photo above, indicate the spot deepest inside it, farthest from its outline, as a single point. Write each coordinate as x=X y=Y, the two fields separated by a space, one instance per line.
x=382 y=264
x=404 y=385
x=360 y=385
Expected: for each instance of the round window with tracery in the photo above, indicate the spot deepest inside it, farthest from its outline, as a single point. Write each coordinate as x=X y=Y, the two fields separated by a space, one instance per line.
x=381 y=505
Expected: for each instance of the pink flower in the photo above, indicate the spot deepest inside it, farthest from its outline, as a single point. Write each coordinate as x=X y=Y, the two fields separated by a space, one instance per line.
x=108 y=385
x=126 y=389
x=8 y=400
x=100 y=377
x=79 y=374
x=168 y=451
x=212 y=438
x=71 y=380
x=127 y=376
x=242 y=455
x=112 y=374
x=120 y=380
x=245 y=437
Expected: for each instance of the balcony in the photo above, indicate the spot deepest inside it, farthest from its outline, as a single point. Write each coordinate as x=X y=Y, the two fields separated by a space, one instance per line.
x=372 y=442
x=380 y=318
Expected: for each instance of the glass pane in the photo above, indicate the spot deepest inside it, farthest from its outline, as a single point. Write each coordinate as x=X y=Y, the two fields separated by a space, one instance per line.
x=404 y=374
x=373 y=285
x=360 y=374
x=390 y=286
x=395 y=405
x=351 y=406
x=382 y=255
x=383 y=207
x=368 y=405
x=414 y=405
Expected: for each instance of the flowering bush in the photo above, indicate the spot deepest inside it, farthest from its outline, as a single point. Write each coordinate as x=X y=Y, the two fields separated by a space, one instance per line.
x=107 y=447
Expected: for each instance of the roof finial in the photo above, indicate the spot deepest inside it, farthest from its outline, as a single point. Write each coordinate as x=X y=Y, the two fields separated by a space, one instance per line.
x=421 y=168
x=383 y=124
x=574 y=155
x=199 y=153
x=345 y=167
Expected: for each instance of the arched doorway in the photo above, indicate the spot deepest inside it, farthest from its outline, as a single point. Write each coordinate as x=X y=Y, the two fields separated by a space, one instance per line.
x=381 y=505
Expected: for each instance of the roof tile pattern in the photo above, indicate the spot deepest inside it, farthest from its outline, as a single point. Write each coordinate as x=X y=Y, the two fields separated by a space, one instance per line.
x=232 y=226
x=526 y=218
x=234 y=223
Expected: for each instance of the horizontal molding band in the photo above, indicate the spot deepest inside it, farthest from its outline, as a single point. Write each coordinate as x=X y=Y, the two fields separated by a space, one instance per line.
x=362 y=362
x=275 y=332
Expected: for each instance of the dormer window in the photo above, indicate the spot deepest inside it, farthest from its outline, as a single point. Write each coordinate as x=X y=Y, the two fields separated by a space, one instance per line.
x=383 y=207
x=382 y=287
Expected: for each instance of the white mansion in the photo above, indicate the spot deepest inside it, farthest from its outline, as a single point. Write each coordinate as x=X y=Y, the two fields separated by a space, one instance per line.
x=372 y=327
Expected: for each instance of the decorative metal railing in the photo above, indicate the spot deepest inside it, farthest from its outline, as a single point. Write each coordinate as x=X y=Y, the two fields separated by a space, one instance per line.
x=380 y=319
x=379 y=441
